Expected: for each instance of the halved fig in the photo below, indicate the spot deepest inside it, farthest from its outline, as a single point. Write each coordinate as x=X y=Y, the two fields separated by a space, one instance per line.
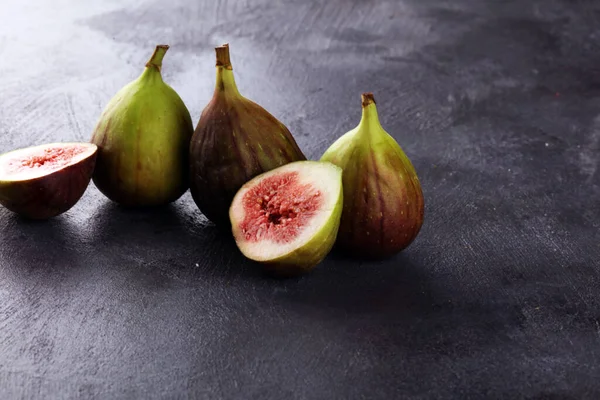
x=44 y=181
x=287 y=219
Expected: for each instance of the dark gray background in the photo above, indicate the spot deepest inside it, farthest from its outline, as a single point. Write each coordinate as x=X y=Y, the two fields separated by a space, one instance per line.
x=497 y=103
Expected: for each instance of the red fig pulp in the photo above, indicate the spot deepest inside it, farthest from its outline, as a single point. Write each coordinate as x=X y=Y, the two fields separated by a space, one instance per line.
x=279 y=207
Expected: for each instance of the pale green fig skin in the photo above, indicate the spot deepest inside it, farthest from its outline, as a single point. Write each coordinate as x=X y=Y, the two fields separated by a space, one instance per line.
x=305 y=258
x=143 y=138
x=384 y=205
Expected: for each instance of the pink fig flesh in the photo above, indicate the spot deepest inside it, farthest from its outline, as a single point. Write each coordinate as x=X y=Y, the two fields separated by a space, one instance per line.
x=278 y=208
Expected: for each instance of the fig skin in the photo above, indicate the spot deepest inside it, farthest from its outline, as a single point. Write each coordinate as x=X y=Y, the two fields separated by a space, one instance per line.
x=235 y=140
x=143 y=138
x=383 y=199
x=48 y=196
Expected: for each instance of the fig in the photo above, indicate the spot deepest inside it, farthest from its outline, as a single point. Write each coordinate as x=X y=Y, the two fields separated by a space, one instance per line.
x=44 y=181
x=383 y=200
x=287 y=219
x=143 y=138
x=234 y=141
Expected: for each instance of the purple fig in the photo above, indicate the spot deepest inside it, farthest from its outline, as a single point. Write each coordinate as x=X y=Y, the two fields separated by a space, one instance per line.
x=234 y=141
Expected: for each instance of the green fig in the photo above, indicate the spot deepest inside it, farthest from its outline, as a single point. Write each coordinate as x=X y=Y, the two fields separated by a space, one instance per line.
x=143 y=138
x=383 y=200
x=234 y=141
x=44 y=181
x=287 y=219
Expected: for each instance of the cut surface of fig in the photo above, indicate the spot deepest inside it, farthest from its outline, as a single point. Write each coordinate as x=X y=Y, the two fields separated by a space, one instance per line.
x=279 y=208
x=44 y=181
x=289 y=215
x=37 y=161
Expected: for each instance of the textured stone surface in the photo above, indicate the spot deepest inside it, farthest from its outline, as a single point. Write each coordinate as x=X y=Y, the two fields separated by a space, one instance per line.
x=496 y=103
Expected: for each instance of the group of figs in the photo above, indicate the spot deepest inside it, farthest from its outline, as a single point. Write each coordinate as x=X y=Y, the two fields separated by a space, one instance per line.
x=244 y=169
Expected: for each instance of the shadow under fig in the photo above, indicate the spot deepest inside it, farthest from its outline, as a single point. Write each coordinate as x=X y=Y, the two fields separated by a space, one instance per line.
x=351 y=285
x=53 y=236
x=38 y=252
x=175 y=241
x=399 y=303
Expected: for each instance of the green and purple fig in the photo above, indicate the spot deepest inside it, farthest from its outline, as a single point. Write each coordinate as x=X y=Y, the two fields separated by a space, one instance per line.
x=143 y=138
x=234 y=141
x=287 y=219
x=43 y=181
x=383 y=200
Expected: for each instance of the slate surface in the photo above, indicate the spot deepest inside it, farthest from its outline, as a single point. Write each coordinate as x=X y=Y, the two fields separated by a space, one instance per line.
x=497 y=104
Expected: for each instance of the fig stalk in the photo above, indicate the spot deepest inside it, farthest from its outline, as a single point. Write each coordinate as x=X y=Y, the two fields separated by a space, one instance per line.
x=369 y=112
x=225 y=81
x=156 y=59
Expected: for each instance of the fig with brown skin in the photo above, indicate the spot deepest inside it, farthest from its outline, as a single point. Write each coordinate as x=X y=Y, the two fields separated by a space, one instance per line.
x=383 y=200
x=234 y=141
x=44 y=181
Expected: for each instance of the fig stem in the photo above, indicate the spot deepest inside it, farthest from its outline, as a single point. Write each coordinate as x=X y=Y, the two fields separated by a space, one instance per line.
x=225 y=78
x=367 y=98
x=157 y=57
x=370 y=116
x=223 y=59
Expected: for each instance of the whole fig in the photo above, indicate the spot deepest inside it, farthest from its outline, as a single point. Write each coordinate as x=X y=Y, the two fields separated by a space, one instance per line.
x=383 y=200
x=234 y=141
x=143 y=138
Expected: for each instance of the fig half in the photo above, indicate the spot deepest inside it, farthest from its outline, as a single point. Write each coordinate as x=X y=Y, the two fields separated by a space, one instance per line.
x=234 y=141
x=383 y=200
x=44 y=181
x=287 y=219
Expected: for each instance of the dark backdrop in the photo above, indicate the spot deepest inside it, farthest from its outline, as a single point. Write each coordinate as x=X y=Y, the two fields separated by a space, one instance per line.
x=497 y=104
